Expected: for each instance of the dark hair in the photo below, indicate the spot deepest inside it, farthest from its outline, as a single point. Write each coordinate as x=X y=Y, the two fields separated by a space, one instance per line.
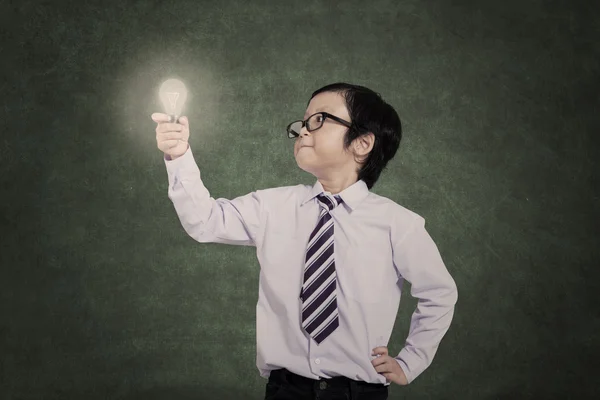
x=369 y=113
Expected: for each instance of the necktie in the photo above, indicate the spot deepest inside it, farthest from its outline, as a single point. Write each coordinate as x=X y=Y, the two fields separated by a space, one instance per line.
x=319 y=304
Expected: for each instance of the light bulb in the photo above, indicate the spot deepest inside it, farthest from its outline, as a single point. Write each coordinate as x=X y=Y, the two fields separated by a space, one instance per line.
x=173 y=95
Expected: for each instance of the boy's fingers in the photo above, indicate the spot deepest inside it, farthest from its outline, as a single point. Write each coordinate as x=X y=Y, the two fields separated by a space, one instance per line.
x=172 y=143
x=380 y=350
x=168 y=127
x=160 y=117
x=171 y=135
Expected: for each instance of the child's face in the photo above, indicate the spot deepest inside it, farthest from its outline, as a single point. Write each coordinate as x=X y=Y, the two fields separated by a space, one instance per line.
x=324 y=155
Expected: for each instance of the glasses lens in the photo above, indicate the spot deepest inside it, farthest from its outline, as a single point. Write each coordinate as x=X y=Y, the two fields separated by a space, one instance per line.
x=315 y=122
x=294 y=129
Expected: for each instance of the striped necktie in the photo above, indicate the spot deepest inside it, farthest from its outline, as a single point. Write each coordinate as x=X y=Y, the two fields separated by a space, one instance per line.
x=319 y=304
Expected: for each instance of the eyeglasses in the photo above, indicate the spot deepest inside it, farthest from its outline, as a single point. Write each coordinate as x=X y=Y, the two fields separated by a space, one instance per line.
x=312 y=123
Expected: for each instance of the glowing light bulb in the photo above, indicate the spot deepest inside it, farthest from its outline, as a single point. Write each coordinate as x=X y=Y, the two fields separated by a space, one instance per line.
x=173 y=95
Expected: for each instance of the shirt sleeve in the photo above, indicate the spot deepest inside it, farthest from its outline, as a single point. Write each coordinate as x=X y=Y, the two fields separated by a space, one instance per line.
x=205 y=219
x=418 y=260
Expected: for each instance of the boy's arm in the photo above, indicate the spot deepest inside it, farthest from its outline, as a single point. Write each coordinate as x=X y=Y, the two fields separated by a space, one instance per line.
x=418 y=260
x=205 y=219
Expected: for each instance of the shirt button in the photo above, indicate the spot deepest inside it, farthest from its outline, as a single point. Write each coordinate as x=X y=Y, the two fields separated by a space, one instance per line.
x=323 y=385
x=317 y=361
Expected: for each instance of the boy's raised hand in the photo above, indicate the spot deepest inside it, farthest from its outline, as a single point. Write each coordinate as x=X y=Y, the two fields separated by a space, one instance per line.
x=171 y=138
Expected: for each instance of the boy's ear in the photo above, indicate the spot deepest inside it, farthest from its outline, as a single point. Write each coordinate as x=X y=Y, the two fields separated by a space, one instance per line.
x=366 y=142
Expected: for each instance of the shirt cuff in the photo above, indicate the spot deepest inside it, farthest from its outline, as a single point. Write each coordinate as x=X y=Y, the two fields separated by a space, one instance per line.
x=405 y=369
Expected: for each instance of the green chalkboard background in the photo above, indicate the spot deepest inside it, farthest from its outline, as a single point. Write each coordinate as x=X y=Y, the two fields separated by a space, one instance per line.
x=104 y=296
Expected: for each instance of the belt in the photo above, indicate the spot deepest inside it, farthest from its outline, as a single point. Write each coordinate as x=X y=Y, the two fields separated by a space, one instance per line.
x=285 y=376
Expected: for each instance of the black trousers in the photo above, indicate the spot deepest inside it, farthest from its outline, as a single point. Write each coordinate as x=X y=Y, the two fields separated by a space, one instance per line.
x=285 y=385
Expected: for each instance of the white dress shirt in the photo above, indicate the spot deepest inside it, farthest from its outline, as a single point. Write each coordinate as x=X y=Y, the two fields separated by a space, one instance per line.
x=377 y=245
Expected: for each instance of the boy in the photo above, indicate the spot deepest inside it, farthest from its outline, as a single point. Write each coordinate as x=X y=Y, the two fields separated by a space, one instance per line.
x=333 y=257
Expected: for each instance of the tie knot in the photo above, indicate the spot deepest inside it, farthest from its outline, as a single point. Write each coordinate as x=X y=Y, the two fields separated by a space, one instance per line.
x=329 y=202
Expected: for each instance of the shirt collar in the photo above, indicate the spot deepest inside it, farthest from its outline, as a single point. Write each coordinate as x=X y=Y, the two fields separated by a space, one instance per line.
x=353 y=195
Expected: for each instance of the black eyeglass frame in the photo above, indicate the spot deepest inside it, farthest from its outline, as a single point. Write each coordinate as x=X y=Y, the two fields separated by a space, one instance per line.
x=325 y=116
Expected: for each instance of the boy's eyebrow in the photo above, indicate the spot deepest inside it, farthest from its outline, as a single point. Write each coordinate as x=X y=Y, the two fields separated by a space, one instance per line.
x=306 y=114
